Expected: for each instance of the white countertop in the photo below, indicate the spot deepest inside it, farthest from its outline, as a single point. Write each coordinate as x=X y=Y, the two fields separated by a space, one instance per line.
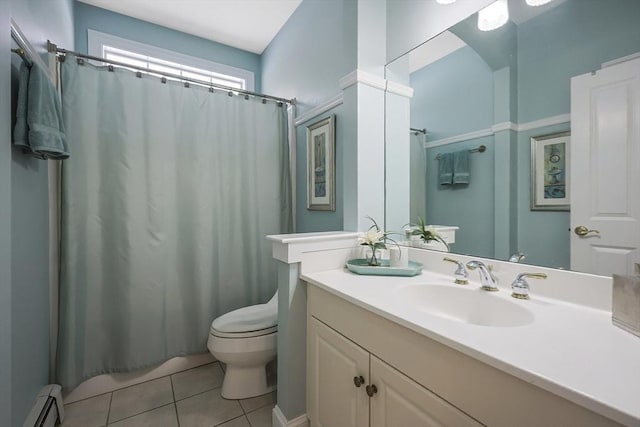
x=570 y=350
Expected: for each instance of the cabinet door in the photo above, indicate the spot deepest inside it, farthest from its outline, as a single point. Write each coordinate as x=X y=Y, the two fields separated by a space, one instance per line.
x=333 y=399
x=401 y=402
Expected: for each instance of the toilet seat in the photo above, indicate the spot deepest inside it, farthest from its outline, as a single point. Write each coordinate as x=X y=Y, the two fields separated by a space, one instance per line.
x=246 y=322
x=248 y=334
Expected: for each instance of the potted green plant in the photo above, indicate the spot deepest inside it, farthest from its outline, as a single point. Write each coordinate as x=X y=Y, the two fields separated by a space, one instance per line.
x=426 y=233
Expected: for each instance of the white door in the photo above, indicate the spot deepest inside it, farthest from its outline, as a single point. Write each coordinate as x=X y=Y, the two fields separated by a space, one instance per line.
x=334 y=370
x=605 y=169
x=401 y=402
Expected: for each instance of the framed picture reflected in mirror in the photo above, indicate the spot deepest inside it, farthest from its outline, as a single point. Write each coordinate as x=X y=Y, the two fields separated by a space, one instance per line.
x=550 y=172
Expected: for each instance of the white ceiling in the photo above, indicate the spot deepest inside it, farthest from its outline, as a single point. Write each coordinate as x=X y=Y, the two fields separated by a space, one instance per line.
x=447 y=42
x=245 y=24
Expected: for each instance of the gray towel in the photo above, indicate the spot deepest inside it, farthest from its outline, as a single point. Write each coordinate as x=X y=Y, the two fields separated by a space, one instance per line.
x=445 y=169
x=39 y=128
x=461 y=173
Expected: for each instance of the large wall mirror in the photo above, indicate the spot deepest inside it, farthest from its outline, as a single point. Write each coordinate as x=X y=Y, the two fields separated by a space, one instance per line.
x=507 y=90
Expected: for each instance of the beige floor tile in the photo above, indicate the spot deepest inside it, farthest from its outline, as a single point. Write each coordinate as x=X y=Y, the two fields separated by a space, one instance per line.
x=164 y=416
x=207 y=409
x=237 y=422
x=261 y=417
x=140 y=398
x=87 y=413
x=254 y=403
x=197 y=380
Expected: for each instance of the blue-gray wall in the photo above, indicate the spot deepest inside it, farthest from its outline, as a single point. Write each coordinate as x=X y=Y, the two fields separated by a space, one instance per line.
x=314 y=49
x=5 y=219
x=550 y=50
x=453 y=96
x=464 y=105
x=94 y=18
x=29 y=345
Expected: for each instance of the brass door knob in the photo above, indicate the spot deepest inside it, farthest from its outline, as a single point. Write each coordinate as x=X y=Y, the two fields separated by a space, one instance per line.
x=581 y=231
x=371 y=390
x=358 y=381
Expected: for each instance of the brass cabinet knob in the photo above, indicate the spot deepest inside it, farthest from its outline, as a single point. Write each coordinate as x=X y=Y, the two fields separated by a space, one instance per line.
x=581 y=231
x=358 y=381
x=371 y=390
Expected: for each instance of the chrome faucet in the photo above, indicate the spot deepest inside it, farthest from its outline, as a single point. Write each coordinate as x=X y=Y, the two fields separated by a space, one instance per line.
x=461 y=275
x=520 y=287
x=487 y=280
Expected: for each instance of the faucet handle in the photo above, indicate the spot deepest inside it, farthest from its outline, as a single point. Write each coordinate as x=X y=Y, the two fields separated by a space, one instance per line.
x=520 y=286
x=516 y=257
x=461 y=275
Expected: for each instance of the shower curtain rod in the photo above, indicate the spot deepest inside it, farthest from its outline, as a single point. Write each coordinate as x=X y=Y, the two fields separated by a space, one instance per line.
x=25 y=49
x=417 y=131
x=52 y=48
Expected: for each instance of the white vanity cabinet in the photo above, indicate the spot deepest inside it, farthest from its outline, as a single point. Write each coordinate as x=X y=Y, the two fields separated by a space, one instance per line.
x=334 y=365
x=348 y=386
x=418 y=381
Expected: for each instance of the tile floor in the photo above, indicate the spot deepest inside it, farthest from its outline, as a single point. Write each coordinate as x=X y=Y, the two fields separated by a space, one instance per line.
x=189 y=398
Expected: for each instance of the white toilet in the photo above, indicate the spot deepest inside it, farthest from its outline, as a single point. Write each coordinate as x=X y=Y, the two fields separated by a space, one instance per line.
x=246 y=340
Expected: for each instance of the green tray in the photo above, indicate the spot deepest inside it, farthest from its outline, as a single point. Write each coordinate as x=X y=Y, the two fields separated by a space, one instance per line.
x=361 y=266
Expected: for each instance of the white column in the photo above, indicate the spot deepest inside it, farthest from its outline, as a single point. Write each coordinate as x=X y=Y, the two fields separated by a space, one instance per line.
x=289 y=250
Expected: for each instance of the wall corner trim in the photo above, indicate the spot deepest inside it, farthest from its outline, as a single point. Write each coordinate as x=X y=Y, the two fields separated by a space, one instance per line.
x=279 y=420
x=498 y=127
x=548 y=121
x=359 y=76
x=289 y=248
x=399 y=89
x=319 y=109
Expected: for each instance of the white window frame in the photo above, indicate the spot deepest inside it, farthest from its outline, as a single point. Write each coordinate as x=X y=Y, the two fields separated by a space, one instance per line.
x=97 y=40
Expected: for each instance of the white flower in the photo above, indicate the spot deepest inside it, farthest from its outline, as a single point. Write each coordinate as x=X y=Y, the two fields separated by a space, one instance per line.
x=371 y=237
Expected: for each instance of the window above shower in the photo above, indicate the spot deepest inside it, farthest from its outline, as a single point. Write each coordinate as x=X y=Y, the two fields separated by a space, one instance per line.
x=161 y=60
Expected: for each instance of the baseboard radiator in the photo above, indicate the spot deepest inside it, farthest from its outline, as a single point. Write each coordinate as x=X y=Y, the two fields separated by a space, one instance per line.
x=48 y=410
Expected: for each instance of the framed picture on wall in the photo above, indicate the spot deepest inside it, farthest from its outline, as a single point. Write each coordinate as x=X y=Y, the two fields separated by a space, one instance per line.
x=321 y=165
x=550 y=172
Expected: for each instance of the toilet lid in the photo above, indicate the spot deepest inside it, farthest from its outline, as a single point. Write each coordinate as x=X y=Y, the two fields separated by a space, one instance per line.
x=248 y=319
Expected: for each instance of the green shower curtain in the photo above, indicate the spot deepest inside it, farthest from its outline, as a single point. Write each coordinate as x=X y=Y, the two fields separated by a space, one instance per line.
x=166 y=200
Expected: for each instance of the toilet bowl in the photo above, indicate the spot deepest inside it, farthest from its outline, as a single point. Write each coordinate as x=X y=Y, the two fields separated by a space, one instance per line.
x=245 y=340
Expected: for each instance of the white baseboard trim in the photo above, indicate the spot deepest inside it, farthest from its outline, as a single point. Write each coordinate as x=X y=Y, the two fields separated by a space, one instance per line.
x=319 y=109
x=279 y=420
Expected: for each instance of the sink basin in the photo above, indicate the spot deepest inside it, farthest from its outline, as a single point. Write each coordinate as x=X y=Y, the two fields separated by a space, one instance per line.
x=473 y=306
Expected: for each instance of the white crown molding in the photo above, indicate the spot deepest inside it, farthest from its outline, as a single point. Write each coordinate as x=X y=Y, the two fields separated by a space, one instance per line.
x=498 y=127
x=354 y=77
x=399 y=89
x=363 y=77
x=319 y=109
x=279 y=420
